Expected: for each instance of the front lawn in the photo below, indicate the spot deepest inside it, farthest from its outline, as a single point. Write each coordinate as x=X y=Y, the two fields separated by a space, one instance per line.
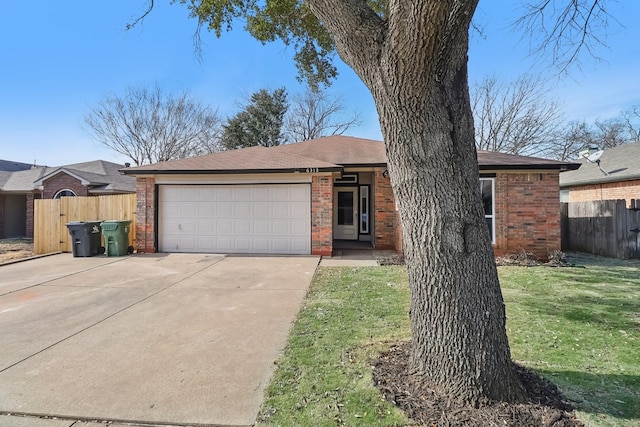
x=579 y=327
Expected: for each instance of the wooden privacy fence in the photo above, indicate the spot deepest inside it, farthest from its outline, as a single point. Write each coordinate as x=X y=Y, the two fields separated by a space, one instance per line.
x=605 y=227
x=50 y=216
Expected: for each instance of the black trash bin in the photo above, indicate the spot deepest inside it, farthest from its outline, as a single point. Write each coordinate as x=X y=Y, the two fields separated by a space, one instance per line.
x=85 y=238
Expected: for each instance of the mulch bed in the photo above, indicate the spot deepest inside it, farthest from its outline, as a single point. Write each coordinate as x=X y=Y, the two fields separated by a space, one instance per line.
x=546 y=406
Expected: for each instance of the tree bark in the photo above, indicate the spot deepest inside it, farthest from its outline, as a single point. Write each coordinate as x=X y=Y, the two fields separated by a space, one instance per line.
x=415 y=64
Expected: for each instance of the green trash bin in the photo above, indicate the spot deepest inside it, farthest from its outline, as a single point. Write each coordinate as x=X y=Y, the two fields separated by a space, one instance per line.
x=116 y=237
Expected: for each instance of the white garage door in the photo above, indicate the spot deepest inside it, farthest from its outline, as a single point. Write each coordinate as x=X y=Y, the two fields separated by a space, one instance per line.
x=274 y=218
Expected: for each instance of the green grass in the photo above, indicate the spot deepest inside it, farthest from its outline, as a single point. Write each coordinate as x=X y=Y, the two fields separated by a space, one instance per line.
x=324 y=376
x=578 y=327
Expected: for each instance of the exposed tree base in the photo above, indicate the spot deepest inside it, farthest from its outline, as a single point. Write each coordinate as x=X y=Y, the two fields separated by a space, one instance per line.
x=545 y=407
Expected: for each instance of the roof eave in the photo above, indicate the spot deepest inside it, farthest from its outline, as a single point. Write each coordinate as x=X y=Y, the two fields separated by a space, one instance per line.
x=602 y=180
x=364 y=165
x=559 y=167
x=229 y=171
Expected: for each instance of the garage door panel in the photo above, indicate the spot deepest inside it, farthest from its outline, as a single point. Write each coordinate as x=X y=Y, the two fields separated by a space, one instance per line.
x=262 y=227
x=206 y=210
x=207 y=227
x=224 y=244
x=280 y=228
x=224 y=227
x=189 y=195
x=262 y=245
x=298 y=245
x=242 y=227
x=280 y=244
x=298 y=228
x=243 y=210
x=297 y=210
x=206 y=244
x=263 y=210
x=189 y=209
x=242 y=194
x=272 y=218
x=242 y=244
x=224 y=210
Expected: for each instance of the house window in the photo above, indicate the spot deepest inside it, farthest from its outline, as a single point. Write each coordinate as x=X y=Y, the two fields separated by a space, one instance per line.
x=364 y=209
x=488 y=204
x=64 y=193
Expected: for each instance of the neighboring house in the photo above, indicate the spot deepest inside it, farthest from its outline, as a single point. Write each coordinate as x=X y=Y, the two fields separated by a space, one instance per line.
x=618 y=179
x=20 y=184
x=301 y=198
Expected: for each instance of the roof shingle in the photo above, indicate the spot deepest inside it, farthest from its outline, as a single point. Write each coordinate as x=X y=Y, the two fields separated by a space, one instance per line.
x=621 y=163
x=327 y=153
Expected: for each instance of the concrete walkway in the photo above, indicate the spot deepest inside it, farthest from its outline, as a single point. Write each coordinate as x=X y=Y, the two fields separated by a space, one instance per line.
x=180 y=339
x=354 y=258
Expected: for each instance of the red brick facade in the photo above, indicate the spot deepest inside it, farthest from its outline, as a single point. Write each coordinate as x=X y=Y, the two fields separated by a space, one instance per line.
x=145 y=215
x=322 y=215
x=29 y=226
x=387 y=230
x=606 y=191
x=527 y=213
x=63 y=181
x=51 y=186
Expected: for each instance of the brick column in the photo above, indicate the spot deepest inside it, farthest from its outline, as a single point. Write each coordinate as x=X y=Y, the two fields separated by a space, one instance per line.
x=145 y=215
x=322 y=215
x=387 y=224
x=29 y=226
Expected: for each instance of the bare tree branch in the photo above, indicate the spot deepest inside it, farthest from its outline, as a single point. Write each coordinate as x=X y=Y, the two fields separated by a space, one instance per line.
x=141 y=17
x=149 y=126
x=517 y=117
x=315 y=114
x=566 y=28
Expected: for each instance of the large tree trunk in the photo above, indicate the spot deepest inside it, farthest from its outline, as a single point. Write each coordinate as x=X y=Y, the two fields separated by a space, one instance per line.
x=415 y=64
x=457 y=312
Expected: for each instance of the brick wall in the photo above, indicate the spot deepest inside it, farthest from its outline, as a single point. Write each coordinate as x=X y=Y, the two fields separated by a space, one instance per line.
x=63 y=181
x=387 y=224
x=145 y=215
x=322 y=215
x=607 y=191
x=527 y=213
x=29 y=225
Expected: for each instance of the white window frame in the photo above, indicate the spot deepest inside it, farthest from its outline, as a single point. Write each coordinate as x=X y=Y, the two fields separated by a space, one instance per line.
x=493 y=207
x=364 y=206
x=57 y=195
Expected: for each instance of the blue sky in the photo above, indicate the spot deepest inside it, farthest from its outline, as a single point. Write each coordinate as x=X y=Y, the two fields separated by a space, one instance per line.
x=60 y=58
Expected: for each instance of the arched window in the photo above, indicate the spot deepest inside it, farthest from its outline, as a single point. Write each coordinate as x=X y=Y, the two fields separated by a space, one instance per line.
x=64 y=193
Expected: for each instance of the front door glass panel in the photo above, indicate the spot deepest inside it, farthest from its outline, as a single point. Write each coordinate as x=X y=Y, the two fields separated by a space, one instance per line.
x=345 y=207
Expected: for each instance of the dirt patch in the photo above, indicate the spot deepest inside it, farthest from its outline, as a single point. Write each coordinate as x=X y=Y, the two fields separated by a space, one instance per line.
x=12 y=249
x=545 y=406
x=389 y=258
x=525 y=259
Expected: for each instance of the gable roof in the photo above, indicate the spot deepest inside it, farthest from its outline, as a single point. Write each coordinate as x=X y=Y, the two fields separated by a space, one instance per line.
x=621 y=163
x=332 y=153
x=101 y=176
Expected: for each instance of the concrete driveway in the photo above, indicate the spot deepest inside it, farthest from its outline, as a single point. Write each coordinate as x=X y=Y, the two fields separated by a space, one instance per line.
x=179 y=339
